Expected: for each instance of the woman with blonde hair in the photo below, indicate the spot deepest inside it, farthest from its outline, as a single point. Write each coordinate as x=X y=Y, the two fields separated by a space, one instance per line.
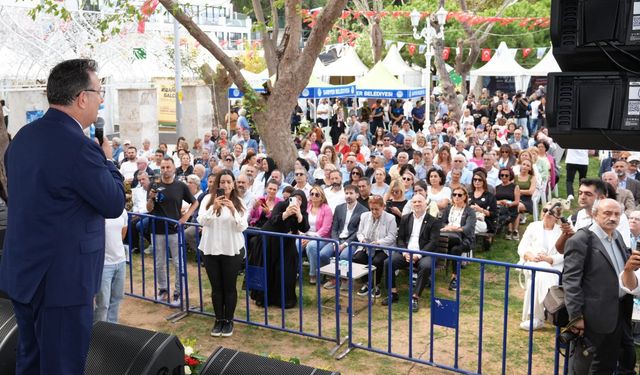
x=320 y=222
x=395 y=199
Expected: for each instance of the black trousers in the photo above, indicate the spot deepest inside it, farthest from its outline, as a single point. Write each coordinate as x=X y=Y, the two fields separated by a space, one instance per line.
x=609 y=349
x=222 y=271
x=377 y=260
x=456 y=247
x=423 y=267
x=571 y=175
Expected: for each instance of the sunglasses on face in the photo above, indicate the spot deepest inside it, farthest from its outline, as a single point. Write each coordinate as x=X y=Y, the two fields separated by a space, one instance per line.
x=356 y=174
x=407 y=179
x=457 y=195
x=299 y=174
x=314 y=194
x=477 y=180
x=504 y=175
x=229 y=159
x=379 y=144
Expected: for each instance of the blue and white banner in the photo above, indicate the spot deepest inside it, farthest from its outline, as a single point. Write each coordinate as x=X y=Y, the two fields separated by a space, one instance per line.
x=390 y=94
x=341 y=91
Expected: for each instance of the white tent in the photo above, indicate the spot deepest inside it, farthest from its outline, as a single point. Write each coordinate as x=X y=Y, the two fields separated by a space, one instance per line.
x=547 y=65
x=347 y=68
x=503 y=64
x=396 y=65
x=379 y=82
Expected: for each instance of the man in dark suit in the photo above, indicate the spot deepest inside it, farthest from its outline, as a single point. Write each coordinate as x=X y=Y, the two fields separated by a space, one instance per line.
x=598 y=308
x=346 y=220
x=626 y=182
x=53 y=276
x=414 y=237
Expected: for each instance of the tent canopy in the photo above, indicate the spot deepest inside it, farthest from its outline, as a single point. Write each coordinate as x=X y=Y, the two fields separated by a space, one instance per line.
x=381 y=83
x=503 y=64
x=405 y=73
x=547 y=65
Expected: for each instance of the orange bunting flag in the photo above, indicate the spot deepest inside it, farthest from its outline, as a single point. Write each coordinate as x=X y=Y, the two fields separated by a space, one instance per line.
x=147 y=9
x=446 y=51
x=526 y=52
x=486 y=54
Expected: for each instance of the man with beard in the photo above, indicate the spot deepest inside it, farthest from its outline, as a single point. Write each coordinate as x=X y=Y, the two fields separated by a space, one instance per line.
x=335 y=193
x=243 y=182
x=166 y=201
x=129 y=166
x=624 y=181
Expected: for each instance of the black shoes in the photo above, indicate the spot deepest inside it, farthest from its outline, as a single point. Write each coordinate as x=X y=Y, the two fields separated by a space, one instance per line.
x=217 y=328
x=453 y=284
x=222 y=328
x=394 y=299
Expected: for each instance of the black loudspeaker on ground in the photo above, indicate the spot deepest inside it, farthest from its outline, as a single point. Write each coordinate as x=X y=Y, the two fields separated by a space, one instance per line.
x=121 y=350
x=8 y=338
x=225 y=361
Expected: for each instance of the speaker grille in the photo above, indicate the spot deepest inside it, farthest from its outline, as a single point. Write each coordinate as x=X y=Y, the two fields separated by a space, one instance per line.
x=569 y=24
x=225 y=361
x=8 y=338
x=7 y=318
x=117 y=349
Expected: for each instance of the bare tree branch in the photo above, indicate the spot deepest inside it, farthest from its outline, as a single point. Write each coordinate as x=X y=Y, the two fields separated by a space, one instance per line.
x=204 y=40
x=268 y=41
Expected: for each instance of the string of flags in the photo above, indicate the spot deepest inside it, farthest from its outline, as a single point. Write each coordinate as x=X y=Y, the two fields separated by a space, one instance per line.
x=471 y=19
x=486 y=53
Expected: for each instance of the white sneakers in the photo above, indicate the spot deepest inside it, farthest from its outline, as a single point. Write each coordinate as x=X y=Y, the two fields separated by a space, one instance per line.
x=537 y=324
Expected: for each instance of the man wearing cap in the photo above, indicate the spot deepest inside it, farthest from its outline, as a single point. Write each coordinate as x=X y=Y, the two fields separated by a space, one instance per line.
x=632 y=171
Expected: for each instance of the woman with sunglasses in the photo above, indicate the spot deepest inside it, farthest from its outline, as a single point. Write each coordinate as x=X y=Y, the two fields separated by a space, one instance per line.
x=379 y=186
x=526 y=181
x=395 y=199
x=437 y=192
x=483 y=202
x=459 y=226
x=508 y=199
x=355 y=175
x=408 y=179
x=537 y=249
x=320 y=222
x=506 y=158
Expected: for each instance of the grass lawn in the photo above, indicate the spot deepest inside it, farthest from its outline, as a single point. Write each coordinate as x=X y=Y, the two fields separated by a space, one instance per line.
x=315 y=352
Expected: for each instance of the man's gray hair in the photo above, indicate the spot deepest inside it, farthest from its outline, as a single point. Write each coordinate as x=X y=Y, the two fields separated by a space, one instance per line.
x=195 y=179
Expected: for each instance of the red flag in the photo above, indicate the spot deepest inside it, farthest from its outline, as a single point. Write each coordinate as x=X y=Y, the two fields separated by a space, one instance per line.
x=412 y=49
x=147 y=9
x=486 y=54
x=445 y=53
x=526 y=52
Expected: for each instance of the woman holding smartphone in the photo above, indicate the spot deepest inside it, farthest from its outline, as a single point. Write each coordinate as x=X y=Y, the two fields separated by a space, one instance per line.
x=223 y=218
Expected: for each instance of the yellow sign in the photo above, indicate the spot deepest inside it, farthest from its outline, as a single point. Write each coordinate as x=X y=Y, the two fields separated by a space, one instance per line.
x=166 y=101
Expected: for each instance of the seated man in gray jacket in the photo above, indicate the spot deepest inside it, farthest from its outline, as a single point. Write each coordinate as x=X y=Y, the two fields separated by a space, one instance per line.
x=377 y=227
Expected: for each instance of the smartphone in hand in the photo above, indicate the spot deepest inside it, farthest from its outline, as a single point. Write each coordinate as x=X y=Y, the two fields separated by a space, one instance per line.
x=220 y=193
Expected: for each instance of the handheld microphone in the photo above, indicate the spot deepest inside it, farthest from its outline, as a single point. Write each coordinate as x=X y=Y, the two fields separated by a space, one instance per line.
x=99 y=124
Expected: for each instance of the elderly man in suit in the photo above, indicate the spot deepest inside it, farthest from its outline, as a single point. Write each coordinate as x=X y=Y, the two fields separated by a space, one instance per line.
x=346 y=220
x=53 y=276
x=417 y=231
x=599 y=309
x=377 y=227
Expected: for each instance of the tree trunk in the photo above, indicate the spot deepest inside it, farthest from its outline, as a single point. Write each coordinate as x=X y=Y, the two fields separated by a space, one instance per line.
x=448 y=88
x=375 y=34
x=4 y=143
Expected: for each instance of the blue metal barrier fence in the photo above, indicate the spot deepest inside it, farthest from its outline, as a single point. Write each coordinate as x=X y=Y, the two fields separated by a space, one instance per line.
x=267 y=268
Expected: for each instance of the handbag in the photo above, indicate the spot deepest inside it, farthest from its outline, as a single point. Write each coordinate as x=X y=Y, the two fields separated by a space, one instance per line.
x=555 y=311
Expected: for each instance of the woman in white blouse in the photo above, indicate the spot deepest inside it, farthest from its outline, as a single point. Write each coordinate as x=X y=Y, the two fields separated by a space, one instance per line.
x=537 y=249
x=223 y=218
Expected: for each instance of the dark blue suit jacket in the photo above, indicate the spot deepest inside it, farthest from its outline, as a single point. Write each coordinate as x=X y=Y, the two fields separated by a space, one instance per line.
x=61 y=187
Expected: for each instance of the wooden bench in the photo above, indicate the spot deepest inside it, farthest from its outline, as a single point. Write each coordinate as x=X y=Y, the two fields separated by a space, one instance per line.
x=486 y=239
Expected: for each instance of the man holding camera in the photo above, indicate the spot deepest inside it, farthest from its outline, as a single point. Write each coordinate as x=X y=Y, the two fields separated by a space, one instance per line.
x=165 y=200
x=599 y=309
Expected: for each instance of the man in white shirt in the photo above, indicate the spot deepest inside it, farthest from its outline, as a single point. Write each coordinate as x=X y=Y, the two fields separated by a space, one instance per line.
x=335 y=192
x=146 y=150
x=140 y=224
x=301 y=176
x=324 y=112
x=417 y=231
x=129 y=167
x=492 y=172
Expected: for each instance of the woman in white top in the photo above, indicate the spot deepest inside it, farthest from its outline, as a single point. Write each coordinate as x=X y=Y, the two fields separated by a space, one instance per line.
x=437 y=192
x=537 y=249
x=379 y=187
x=223 y=218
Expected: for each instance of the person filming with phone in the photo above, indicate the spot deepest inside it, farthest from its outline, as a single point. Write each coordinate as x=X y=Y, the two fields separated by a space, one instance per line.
x=165 y=200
